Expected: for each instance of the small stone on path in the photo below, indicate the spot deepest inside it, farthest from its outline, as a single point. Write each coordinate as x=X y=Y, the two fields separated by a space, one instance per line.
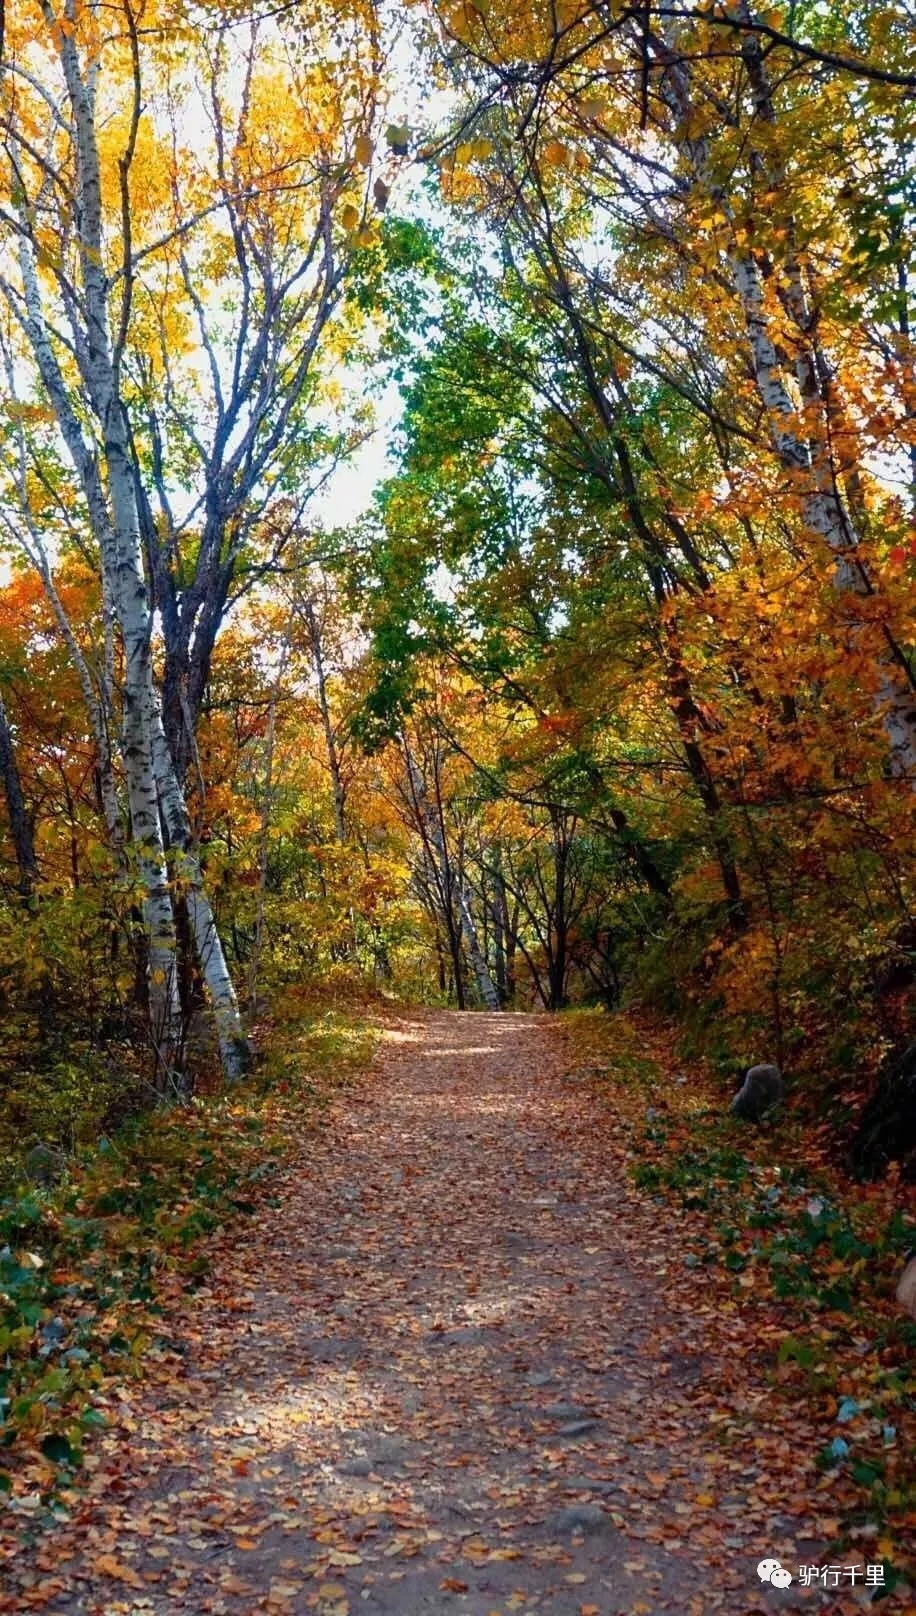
x=577 y=1428
x=587 y=1518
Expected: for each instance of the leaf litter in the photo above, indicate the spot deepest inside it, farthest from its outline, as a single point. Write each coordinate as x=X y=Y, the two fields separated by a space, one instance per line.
x=366 y=1407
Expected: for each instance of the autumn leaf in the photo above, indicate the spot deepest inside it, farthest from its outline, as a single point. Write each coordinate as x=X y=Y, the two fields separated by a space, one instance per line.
x=109 y=1566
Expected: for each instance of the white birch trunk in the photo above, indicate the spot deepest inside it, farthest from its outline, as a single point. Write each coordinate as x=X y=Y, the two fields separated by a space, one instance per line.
x=233 y=1045
x=116 y=526
x=136 y=747
x=479 y=965
x=133 y=613
x=151 y=778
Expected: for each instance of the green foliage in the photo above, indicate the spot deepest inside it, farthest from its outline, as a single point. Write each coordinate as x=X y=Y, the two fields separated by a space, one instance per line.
x=394 y=281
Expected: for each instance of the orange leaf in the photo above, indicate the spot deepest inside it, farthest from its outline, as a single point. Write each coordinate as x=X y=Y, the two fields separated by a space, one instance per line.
x=110 y=1567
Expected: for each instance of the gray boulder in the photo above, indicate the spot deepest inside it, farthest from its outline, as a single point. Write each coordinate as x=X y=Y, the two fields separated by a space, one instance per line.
x=762 y=1088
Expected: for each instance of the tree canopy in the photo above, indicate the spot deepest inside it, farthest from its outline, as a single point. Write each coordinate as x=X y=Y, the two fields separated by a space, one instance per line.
x=458 y=475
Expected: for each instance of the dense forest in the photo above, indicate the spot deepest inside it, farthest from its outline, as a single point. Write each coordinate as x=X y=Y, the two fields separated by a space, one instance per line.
x=604 y=691
x=457 y=714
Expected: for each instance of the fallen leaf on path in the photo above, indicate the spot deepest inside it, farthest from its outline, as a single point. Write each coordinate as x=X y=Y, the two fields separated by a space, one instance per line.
x=110 y=1567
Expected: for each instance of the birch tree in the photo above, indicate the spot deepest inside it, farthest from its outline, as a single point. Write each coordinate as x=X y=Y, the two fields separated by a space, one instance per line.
x=101 y=459
x=116 y=235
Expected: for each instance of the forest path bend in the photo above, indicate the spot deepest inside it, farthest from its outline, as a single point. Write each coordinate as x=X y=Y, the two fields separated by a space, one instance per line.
x=439 y=1369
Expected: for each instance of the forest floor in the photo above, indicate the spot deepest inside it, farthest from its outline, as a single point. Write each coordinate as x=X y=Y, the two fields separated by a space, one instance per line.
x=451 y=1362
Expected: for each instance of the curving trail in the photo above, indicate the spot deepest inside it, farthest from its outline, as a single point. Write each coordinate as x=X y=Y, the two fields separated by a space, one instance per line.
x=449 y=1365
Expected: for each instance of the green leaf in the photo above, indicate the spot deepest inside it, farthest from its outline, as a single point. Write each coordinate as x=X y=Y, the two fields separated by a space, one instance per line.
x=57 y=1449
x=398 y=138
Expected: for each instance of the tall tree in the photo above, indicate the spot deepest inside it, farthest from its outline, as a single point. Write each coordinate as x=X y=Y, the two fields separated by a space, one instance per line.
x=119 y=224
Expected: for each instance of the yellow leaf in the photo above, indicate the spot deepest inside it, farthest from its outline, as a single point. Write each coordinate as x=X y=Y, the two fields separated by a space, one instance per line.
x=111 y=1567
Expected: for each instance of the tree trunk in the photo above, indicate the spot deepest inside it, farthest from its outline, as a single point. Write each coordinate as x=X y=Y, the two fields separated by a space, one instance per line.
x=691 y=725
x=642 y=858
x=19 y=822
x=234 y=1050
x=498 y=913
x=117 y=534
x=440 y=961
x=454 y=948
x=149 y=767
x=558 y=923
x=119 y=567
x=429 y=823
x=556 y=973
x=479 y=965
x=263 y=848
x=324 y=707
x=510 y=922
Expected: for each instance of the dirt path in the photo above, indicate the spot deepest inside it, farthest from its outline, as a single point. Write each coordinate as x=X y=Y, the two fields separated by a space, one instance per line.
x=450 y=1365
